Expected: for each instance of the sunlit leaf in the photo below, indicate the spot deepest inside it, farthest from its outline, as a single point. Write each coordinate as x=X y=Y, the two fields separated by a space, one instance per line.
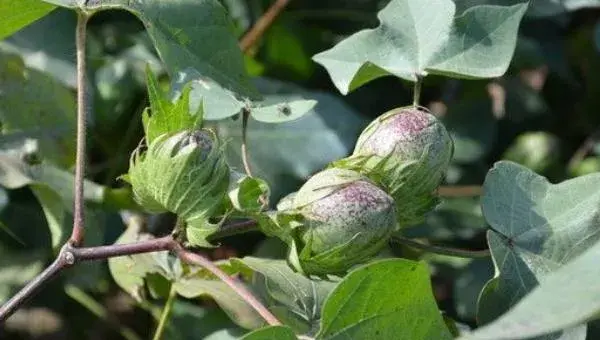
x=39 y=108
x=565 y=298
x=16 y=17
x=195 y=34
x=536 y=228
x=420 y=37
x=388 y=299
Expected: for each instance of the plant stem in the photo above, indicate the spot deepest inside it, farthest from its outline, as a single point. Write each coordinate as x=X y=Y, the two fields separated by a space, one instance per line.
x=166 y=312
x=460 y=191
x=441 y=250
x=234 y=284
x=234 y=229
x=245 y=157
x=417 y=90
x=78 y=212
x=115 y=250
x=261 y=26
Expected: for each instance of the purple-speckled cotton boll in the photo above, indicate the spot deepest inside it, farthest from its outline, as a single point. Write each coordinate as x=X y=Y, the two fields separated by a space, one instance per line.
x=346 y=213
x=406 y=133
x=406 y=151
x=359 y=208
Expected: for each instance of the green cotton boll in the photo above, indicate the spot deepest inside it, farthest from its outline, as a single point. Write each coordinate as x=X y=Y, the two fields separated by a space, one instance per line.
x=346 y=220
x=587 y=166
x=407 y=152
x=539 y=151
x=184 y=173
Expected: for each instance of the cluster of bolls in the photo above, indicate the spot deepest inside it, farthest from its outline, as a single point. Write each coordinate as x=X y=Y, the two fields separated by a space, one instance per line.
x=343 y=215
x=350 y=210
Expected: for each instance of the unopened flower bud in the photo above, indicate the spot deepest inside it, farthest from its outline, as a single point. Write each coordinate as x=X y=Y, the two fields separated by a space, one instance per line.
x=184 y=173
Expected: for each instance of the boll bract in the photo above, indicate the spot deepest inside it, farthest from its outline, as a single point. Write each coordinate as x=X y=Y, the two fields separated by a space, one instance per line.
x=184 y=173
x=345 y=220
x=406 y=151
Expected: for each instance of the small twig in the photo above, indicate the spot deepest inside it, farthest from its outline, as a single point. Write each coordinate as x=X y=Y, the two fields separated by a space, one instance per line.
x=584 y=149
x=460 y=191
x=261 y=26
x=237 y=286
x=417 y=90
x=78 y=210
x=441 y=250
x=166 y=312
x=244 y=148
x=245 y=157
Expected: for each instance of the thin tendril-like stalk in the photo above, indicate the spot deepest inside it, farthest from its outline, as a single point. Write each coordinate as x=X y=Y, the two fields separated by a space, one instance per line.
x=166 y=312
x=456 y=252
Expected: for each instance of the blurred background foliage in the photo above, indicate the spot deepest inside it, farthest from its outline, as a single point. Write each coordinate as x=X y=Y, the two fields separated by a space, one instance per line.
x=543 y=113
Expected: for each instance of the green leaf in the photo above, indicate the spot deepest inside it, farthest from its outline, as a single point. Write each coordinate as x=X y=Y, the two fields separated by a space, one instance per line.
x=165 y=116
x=282 y=112
x=17 y=269
x=56 y=59
x=187 y=33
x=198 y=282
x=388 y=299
x=420 y=37
x=247 y=192
x=538 y=8
x=16 y=16
x=38 y=109
x=186 y=316
x=294 y=298
x=537 y=227
x=219 y=103
x=271 y=333
x=129 y=271
x=53 y=187
x=285 y=50
x=468 y=283
x=564 y=299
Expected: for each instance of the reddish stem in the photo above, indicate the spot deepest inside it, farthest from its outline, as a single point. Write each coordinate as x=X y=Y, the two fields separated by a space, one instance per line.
x=460 y=191
x=115 y=250
x=261 y=26
x=236 y=285
x=78 y=210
